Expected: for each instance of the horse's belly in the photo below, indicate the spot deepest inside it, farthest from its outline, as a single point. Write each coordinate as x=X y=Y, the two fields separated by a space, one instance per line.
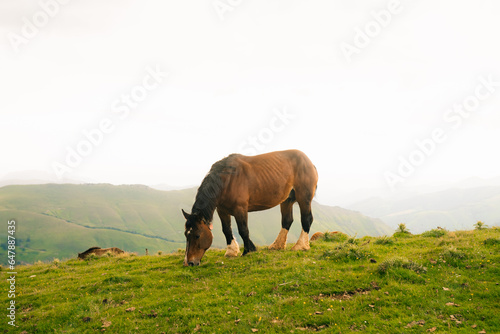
x=260 y=207
x=267 y=201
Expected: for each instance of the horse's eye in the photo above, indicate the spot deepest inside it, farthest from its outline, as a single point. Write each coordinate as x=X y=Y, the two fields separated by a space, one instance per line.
x=197 y=237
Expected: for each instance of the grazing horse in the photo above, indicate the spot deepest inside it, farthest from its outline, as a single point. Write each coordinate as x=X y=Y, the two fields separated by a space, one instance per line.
x=240 y=184
x=99 y=251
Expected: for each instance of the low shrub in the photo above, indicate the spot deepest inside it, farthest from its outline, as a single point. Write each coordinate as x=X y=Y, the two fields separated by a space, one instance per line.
x=402 y=228
x=453 y=253
x=346 y=251
x=435 y=233
x=492 y=241
x=400 y=262
x=384 y=240
x=454 y=257
x=335 y=236
x=480 y=225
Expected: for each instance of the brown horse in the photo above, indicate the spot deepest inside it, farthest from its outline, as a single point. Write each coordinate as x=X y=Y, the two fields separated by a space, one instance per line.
x=240 y=184
x=99 y=252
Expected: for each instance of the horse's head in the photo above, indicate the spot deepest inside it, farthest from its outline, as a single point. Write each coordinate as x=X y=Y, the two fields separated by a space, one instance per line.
x=198 y=238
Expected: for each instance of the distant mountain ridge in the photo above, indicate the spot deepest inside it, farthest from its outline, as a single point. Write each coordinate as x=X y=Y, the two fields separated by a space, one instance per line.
x=59 y=220
x=458 y=208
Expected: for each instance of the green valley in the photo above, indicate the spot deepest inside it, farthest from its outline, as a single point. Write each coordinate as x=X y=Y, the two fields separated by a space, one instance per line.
x=60 y=220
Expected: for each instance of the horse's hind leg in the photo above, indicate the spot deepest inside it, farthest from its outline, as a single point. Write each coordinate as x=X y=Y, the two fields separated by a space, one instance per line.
x=232 y=246
x=306 y=219
x=286 y=222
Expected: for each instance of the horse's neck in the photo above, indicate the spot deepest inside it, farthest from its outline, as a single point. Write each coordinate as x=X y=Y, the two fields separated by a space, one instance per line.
x=204 y=208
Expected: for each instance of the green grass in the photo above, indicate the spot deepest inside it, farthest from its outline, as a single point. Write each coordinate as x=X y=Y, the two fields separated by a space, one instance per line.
x=395 y=263
x=434 y=233
x=384 y=240
x=274 y=291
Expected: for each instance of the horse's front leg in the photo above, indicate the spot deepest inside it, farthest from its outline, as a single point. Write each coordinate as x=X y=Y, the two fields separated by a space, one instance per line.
x=242 y=221
x=232 y=246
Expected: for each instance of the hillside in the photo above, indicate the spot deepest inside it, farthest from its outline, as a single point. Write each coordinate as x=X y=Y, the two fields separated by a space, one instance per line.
x=438 y=282
x=60 y=220
x=451 y=209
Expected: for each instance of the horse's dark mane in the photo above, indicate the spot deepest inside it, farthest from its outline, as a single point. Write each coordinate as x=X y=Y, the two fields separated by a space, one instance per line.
x=211 y=188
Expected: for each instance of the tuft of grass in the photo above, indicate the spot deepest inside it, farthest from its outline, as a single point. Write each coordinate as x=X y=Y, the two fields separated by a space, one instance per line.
x=335 y=237
x=454 y=253
x=492 y=241
x=125 y=255
x=347 y=251
x=402 y=229
x=454 y=257
x=401 y=235
x=91 y=257
x=400 y=262
x=352 y=240
x=384 y=240
x=435 y=233
x=480 y=225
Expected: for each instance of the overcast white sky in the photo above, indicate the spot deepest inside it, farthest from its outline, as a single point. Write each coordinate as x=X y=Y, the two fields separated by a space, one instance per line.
x=227 y=79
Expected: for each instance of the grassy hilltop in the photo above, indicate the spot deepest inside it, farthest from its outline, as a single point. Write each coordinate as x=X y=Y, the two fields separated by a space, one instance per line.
x=438 y=282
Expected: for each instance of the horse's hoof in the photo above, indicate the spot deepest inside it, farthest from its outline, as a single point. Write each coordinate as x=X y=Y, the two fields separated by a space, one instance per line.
x=301 y=247
x=232 y=249
x=231 y=254
x=303 y=242
x=280 y=242
x=245 y=252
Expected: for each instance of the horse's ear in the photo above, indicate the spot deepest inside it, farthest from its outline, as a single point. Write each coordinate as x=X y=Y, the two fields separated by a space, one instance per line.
x=186 y=215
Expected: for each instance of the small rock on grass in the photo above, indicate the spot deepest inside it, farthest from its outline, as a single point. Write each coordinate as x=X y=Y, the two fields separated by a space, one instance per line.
x=414 y=323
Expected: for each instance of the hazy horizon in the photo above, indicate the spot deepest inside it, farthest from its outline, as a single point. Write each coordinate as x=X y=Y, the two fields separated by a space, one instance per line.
x=384 y=95
x=344 y=198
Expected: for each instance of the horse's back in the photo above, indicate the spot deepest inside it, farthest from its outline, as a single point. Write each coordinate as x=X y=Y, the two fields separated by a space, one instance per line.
x=292 y=165
x=270 y=177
